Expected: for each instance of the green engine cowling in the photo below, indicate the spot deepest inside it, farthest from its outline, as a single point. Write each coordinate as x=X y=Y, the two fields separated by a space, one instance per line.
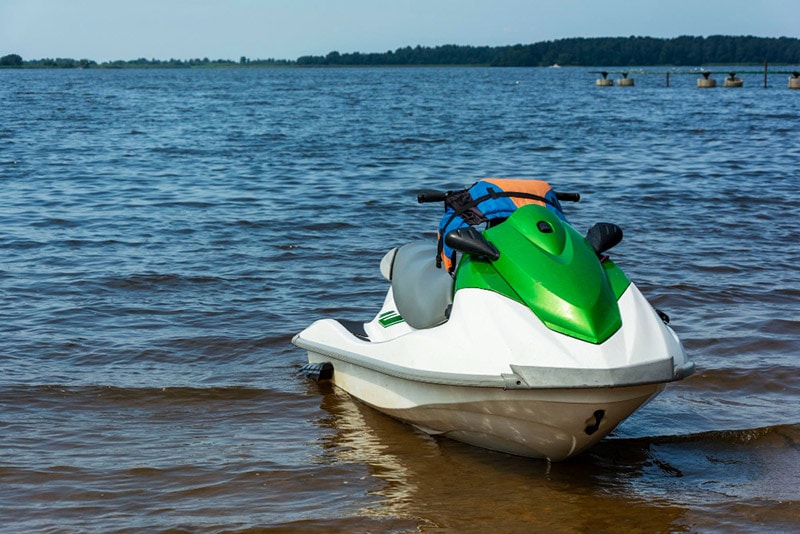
x=549 y=267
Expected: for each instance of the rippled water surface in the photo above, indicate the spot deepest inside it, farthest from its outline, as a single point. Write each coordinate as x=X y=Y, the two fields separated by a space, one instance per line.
x=166 y=232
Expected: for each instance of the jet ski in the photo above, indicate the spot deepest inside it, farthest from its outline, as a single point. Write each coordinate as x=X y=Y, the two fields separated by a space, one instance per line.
x=512 y=332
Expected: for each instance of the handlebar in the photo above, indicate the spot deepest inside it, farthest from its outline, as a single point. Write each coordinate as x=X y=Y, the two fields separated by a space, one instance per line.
x=568 y=197
x=431 y=195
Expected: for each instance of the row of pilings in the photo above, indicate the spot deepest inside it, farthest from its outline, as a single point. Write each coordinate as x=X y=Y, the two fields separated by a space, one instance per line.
x=704 y=82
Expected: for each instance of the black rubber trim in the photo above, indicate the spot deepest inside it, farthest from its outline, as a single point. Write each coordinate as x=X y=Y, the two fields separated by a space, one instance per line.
x=355 y=327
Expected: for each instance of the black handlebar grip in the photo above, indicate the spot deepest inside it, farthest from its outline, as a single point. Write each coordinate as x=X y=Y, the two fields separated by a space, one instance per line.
x=568 y=197
x=431 y=195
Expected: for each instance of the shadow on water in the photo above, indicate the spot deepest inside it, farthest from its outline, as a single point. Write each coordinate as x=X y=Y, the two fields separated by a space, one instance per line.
x=708 y=481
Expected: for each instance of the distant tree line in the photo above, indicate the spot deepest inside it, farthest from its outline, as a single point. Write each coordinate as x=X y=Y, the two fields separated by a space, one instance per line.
x=587 y=52
x=685 y=50
x=15 y=61
x=11 y=60
x=197 y=62
x=56 y=63
x=419 y=55
x=596 y=51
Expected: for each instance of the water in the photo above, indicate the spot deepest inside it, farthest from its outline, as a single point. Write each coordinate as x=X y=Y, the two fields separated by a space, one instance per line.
x=166 y=232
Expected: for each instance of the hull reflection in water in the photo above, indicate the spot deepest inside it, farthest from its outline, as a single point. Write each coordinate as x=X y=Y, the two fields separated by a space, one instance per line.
x=355 y=441
x=431 y=481
x=648 y=484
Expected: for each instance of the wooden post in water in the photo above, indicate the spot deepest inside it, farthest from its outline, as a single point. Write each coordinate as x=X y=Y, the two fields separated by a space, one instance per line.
x=667 y=78
x=765 y=74
x=604 y=81
x=625 y=81
x=733 y=81
x=706 y=81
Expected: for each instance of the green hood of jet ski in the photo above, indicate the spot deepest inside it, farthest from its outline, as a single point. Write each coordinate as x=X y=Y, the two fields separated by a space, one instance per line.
x=549 y=267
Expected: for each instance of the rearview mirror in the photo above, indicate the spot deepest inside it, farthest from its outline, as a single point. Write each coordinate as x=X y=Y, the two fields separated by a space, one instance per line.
x=471 y=241
x=604 y=236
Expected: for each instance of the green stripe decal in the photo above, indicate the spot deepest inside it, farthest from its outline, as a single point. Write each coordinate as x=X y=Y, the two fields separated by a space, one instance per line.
x=389 y=318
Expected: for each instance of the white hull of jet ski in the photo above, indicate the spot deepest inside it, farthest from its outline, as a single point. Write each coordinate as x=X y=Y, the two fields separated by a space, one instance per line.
x=495 y=376
x=540 y=423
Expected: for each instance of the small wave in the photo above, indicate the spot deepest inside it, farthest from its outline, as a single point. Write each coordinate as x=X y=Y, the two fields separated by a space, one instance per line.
x=750 y=343
x=788 y=435
x=328 y=226
x=776 y=378
x=22 y=244
x=255 y=224
x=149 y=281
x=178 y=151
x=60 y=223
x=784 y=436
x=228 y=344
x=418 y=141
x=781 y=116
x=185 y=204
x=781 y=326
x=39 y=396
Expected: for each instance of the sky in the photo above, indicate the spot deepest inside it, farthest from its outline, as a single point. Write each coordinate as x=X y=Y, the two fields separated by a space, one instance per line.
x=106 y=30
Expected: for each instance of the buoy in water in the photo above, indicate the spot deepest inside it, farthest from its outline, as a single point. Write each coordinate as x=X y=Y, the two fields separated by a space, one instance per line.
x=706 y=81
x=733 y=81
x=604 y=81
x=625 y=81
x=794 y=81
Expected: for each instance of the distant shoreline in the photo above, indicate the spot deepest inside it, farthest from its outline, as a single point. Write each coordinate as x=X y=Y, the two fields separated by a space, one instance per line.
x=675 y=70
x=632 y=68
x=573 y=52
x=103 y=66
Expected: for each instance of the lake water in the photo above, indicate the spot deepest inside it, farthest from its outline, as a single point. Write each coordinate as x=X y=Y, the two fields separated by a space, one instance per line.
x=165 y=233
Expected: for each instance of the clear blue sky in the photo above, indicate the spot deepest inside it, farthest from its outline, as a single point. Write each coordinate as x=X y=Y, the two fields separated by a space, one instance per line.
x=286 y=29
